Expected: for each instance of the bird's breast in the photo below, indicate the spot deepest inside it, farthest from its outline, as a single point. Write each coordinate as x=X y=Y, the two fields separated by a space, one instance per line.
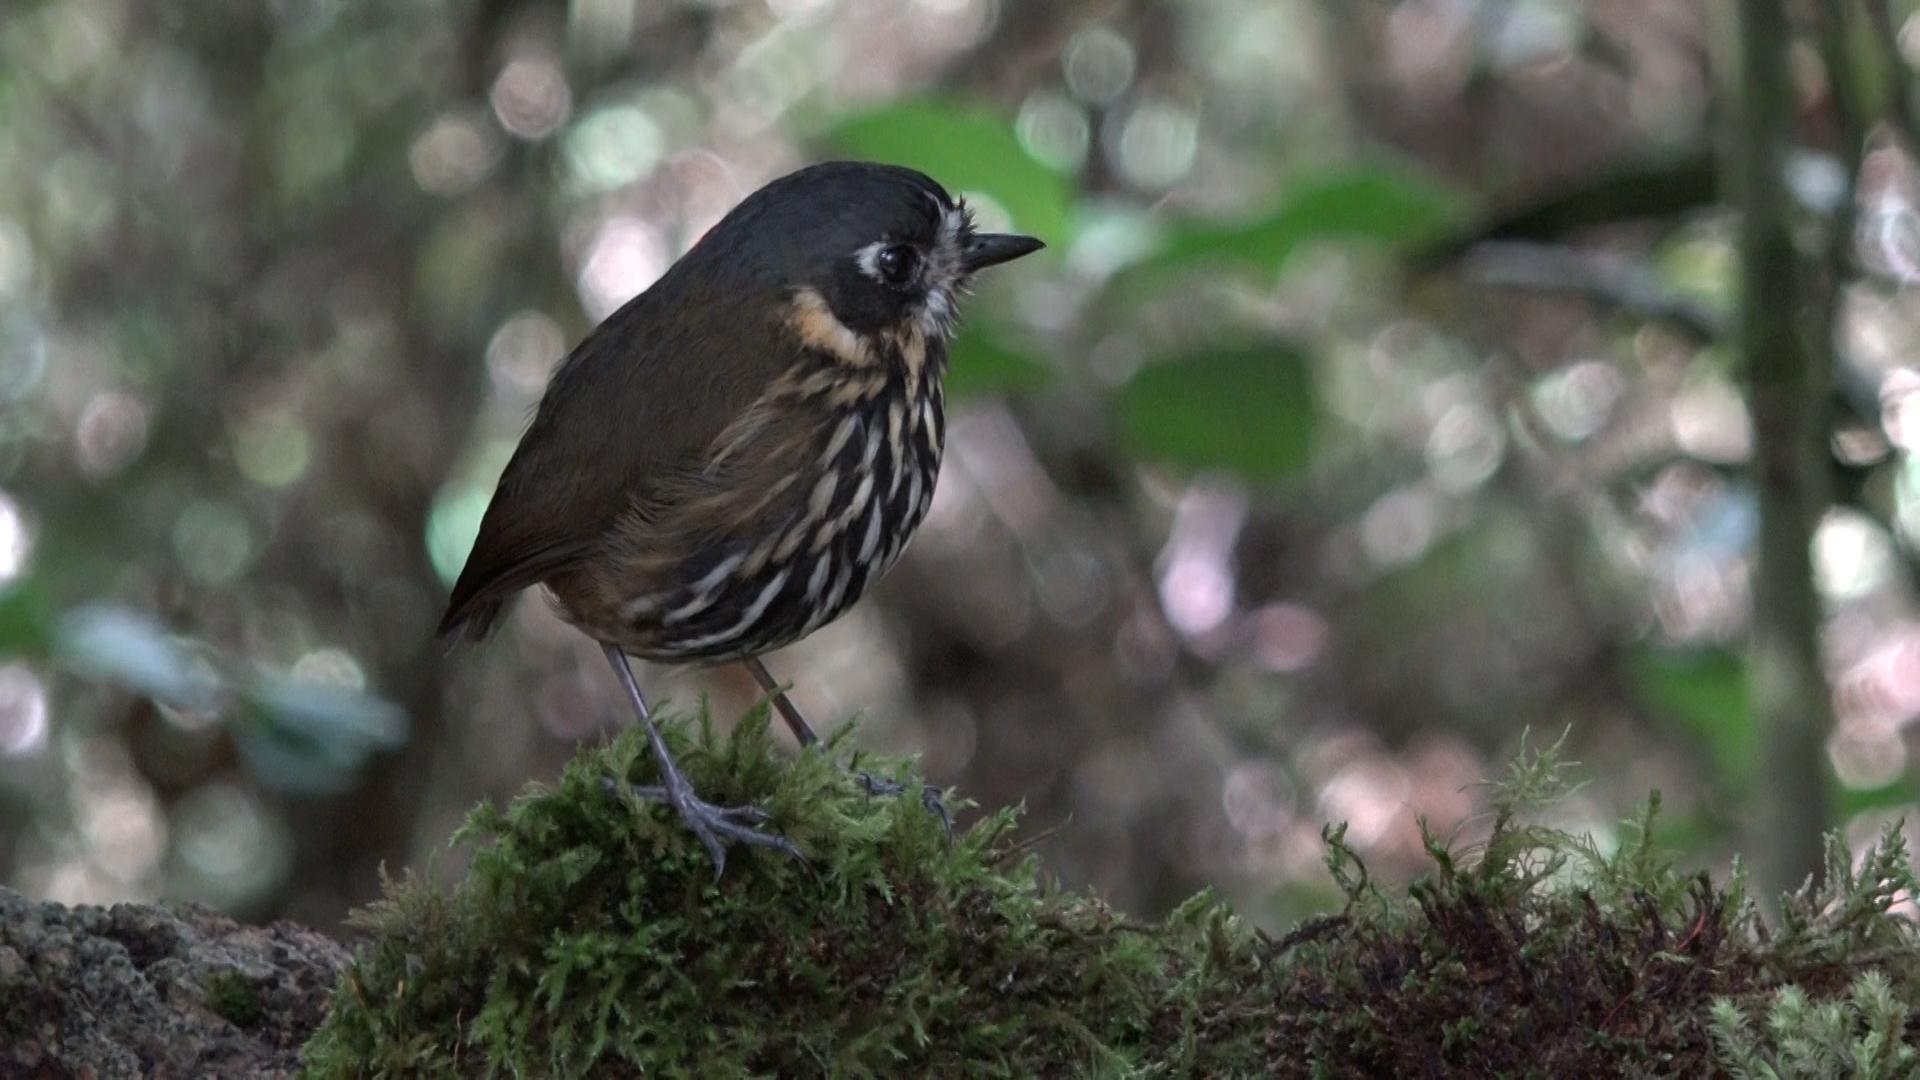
x=851 y=496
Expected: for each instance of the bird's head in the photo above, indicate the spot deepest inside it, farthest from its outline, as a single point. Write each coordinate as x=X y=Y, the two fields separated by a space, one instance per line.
x=863 y=252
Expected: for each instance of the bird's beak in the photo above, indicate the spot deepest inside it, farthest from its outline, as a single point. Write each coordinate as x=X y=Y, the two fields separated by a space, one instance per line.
x=992 y=249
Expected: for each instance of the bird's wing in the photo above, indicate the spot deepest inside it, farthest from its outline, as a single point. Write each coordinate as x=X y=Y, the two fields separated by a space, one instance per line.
x=637 y=404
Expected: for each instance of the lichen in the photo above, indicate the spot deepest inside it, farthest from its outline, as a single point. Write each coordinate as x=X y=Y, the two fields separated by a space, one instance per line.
x=591 y=939
x=156 y=990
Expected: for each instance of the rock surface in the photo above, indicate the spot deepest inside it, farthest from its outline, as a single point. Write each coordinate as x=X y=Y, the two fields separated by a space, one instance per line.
x=156 y=991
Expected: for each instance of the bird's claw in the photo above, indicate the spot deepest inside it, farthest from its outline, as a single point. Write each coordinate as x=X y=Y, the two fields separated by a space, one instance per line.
x=879 y=786
x=716 y=826
x=929 y=796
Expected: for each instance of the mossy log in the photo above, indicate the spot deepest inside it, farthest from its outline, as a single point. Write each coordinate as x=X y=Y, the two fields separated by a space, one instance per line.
x=590 y=937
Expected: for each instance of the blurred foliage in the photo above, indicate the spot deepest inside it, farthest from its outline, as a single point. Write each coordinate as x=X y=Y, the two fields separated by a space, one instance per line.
x=1369 y=406
x=295 y=735
x=1707 y=694
x=968 y=149
x=1395 y=209
x=1246 y=411
x=982 y=366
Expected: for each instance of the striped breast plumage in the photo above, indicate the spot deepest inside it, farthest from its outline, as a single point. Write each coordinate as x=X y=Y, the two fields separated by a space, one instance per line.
x=847 y=462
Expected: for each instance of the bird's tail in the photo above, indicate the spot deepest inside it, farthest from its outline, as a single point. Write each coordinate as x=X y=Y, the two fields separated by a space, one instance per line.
x=472 y=621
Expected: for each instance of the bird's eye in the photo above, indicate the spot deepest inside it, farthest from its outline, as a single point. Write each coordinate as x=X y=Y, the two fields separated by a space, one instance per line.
x=896 y=265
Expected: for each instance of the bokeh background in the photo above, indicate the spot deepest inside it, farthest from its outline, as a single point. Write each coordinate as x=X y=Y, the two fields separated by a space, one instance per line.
x=1371 y=407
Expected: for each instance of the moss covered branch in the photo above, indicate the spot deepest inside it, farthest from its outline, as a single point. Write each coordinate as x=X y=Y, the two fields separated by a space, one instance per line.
x=590 y=938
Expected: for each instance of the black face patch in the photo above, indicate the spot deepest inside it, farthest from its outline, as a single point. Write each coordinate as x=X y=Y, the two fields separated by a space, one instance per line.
x=867 y=306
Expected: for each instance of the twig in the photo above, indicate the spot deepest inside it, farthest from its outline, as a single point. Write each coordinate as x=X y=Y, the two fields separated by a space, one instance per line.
x=1612 y=280
x=1900 y=103
x=1311 y=930
x=1788 y=394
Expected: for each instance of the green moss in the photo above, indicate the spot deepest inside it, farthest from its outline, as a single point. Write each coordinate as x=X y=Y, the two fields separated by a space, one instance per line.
x=590 y=938
x=1862 y=1034
x=233 y=998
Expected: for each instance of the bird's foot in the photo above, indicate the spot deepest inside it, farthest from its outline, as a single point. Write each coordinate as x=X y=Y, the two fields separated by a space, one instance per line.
x=892 y=789
x=716 y=826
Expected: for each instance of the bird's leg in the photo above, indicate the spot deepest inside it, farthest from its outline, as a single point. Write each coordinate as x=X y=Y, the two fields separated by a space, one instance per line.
x=795 y=722
x=714 y=825
x=871 y=784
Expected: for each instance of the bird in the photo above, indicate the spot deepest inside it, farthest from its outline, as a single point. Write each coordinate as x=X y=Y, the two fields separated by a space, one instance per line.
x=726 y=463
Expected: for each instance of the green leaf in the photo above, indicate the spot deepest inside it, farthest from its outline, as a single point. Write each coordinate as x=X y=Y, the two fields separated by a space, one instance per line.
x=981 y=365
x=26 y=629
x=1368 y=203
x=295 y=762
x=332 y=713
x=310 y=738
x=1706 y=692
x=1850 y=802
x=118 y=645
x=1249 y=411
x=965 y=148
